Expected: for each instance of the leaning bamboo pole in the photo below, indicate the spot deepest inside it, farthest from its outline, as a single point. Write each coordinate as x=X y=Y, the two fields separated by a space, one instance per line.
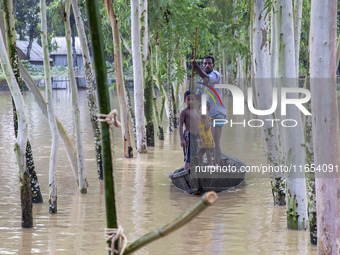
x=94 y=21
x=207 y=199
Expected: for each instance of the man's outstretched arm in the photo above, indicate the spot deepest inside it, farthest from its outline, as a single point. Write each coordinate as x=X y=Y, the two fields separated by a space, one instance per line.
x=201 y=73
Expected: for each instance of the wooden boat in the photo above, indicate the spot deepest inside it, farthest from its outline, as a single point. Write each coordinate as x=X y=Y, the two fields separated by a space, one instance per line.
x=200 y=179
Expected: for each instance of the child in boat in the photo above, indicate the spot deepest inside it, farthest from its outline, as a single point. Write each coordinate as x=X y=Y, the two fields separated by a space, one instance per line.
x=190 y=136
x=204 y=126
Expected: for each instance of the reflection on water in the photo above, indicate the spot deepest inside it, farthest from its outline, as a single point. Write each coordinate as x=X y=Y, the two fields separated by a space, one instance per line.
x=243 y=221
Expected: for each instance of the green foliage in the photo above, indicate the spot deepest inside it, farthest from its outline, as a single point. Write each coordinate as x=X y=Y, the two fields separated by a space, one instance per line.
x=54 y=18
x=37 y=72
x=173 y=23
x=231 y=21
x=27 y=21
x=268 y=6
x=305 y=25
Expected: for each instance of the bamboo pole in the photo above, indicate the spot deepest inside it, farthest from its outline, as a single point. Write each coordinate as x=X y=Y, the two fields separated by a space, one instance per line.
x=206 y=200
x=192 y=73
x=104 y=108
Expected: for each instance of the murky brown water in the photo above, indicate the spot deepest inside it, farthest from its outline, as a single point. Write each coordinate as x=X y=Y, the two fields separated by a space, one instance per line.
x=243 y=221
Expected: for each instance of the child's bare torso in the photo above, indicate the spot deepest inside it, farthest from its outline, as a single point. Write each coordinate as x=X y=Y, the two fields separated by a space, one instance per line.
x=191 y=120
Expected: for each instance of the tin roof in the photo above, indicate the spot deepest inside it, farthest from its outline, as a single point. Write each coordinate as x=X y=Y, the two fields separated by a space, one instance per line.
x=36 y=51
x=62 y=50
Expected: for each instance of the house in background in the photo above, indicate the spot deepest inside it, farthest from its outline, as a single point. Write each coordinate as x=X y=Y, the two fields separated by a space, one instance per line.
x=37 y=55
x=36 y=58
x=59 y=57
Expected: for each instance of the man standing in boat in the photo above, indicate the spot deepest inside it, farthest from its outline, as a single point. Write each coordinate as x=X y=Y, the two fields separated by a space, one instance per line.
x=208 y=79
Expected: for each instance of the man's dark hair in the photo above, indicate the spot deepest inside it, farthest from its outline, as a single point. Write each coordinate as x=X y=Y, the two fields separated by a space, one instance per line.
x=209 y=57
x=208 y=105
x=187 y=93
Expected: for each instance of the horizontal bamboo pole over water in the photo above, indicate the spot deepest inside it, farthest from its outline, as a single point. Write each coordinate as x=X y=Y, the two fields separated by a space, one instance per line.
x=206 y=200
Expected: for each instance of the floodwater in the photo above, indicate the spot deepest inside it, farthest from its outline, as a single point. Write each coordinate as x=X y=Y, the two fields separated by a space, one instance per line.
x=243 y=220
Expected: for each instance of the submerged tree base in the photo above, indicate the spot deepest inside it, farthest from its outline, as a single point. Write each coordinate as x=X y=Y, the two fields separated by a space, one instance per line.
x=278 y=190
x=130 y=152
x=26 y=202
x=52 y=208
x=312 y=207
x=150 y=134
x=160 y=133
x=313 y=233
x=36 y=193
x=292 y=214
x=83 y=191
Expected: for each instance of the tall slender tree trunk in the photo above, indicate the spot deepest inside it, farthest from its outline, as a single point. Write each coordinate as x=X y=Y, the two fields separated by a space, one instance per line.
x=10 y=38
x=29 y=48
x=137 y=77
x=310 y=176
x=174 y=90
x=273 y=46
x=21 y=141
x=292 y=138
x=241 y=75
x=148 y=100
x=124 y=112
x=182 y=86
x=21 y=138
x=160 y=131
x=297 y=31
x=170 y=91
x=50 y=110
x=90 y=87
x=264 y=94
x=73 y=43
x=158 y=119
x=220 y=62
x=75 y=104
x=132 y=113
x=147 y=73
x=337 y=55
x=24 y=178
x=224 y=68
x=323 y=33
x=164 y=95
